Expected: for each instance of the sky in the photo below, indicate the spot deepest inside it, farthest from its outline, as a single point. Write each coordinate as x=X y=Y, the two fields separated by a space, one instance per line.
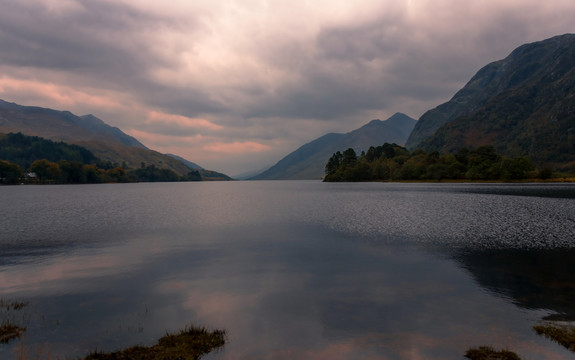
x=236 y=85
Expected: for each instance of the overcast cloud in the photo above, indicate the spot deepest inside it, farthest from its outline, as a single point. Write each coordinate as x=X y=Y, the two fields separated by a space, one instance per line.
x=236 y=85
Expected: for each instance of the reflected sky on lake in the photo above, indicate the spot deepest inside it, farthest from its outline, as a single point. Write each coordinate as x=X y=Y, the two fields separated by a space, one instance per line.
x=292 y=270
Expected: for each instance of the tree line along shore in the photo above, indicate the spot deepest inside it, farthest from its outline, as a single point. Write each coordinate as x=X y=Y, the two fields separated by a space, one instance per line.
x=391 y=162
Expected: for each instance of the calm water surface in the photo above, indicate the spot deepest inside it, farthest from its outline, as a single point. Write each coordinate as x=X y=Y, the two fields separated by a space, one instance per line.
x=292 y=270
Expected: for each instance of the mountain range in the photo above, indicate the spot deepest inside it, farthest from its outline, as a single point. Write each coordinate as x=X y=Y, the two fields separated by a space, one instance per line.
x=523 y=105
x=308 y=161
x=106 y=142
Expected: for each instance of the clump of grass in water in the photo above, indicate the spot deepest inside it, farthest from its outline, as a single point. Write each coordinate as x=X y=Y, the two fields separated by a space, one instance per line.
x=189 y=344
x=561 y=334
x=9 y=330
x=488 y=353
x=13 y=305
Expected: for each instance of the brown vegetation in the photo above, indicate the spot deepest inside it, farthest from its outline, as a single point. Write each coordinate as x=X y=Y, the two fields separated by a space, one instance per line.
x=8 y=329
x=561 y=334
x=188 y=344
x=488 y=353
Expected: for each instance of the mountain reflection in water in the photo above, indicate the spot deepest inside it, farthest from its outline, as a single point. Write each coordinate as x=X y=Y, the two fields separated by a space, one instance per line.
x=532 y=279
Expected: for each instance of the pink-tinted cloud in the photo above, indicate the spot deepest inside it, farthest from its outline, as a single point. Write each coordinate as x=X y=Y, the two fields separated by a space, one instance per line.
x=235 y=147
x=156 y=117
x=200 y=142
x=212 y=149
x=59 y=96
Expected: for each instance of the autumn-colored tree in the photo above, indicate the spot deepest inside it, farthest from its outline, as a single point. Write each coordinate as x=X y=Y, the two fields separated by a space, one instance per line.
x=46 y=171
x=118 y=174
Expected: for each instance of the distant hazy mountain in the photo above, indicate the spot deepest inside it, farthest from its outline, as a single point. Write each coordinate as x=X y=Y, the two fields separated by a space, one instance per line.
x=522 y=105
x=249 y=174
x=308 y=162
x=106 y=142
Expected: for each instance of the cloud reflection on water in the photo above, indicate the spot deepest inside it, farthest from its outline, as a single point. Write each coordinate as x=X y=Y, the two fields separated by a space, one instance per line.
x=293 y=270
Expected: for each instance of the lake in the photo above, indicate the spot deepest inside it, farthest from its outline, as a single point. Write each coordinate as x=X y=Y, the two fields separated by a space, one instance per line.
x=290 y=269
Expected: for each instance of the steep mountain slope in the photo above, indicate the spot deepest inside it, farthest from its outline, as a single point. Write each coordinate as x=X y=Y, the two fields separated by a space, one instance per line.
x=522 y=105
x=191 y=165
x=208 y=175
x=246 y=175
x=308 y=162
x=106 y=142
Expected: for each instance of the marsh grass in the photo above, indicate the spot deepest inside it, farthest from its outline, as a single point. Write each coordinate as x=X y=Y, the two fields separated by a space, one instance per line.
x=561 y=334
x=189 y=344
x=488 y=353
x=9 y=330
x=12 y=305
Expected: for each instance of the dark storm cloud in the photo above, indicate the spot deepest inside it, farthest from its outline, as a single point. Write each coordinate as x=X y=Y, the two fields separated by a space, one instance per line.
x=363 y=42
x=350 y=69
x=33 y=38
x=377 y=64
x=105 y=44
x=343 y=69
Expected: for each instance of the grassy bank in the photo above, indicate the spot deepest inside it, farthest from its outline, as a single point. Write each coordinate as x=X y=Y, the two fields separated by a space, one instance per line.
x=189 y=344
x=564 y=335
x=488 y=353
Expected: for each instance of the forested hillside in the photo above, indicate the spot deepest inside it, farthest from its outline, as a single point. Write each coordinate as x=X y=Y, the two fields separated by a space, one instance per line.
x=31 y=159
x=24 y=150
